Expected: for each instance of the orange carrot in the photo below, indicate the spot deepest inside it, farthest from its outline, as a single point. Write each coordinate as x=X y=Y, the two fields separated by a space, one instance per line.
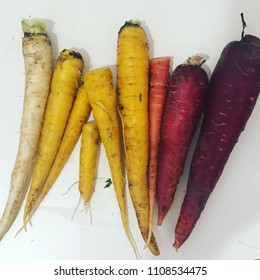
x=159 y=77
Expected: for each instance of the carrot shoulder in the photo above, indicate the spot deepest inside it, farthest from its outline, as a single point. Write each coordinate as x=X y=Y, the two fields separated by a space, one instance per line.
x=132 y=83
x=37 y=53
x=65 y=80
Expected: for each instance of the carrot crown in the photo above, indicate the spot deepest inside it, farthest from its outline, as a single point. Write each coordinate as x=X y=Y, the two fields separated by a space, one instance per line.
x=130 y=23
x=195 y=60
x=31 y=26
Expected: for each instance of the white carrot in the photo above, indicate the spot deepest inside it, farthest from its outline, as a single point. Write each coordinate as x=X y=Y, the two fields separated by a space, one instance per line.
x=37 y=53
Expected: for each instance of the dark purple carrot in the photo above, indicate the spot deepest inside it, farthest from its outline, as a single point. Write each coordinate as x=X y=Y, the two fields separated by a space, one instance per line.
x=182 y=110
x=233 y=90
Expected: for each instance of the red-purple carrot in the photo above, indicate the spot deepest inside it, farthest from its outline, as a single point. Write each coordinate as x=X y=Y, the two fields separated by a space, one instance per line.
x=232 y=94
x=158 y=80
x=183 y=109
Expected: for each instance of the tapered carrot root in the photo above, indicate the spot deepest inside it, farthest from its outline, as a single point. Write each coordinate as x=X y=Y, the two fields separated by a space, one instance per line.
x=37 y=53
x=65 y=82
x=132 y=83
x=102 y=99
x=158 y=81
x=88 y=160
x=79 y=114
x=183 y=108
x=232 y=95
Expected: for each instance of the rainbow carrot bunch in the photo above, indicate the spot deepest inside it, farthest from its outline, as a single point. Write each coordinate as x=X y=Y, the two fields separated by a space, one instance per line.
x=146 y=125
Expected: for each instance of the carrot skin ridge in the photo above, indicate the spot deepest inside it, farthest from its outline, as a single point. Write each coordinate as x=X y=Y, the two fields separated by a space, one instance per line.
x=158 y=88
x=37 y=54
x=183 y=109
x=233 y=91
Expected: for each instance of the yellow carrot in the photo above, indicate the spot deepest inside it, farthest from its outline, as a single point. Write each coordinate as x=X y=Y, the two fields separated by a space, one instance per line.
x=102 y=99
x=88 y=160
x=64 y=85
x=132 y=83
x=79 y=114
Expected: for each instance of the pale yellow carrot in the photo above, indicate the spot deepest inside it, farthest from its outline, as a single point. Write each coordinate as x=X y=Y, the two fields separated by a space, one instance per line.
x=37 y=53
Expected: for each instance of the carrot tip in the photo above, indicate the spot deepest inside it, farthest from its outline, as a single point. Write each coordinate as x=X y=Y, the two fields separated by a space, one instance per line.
x=19 y=231
x=176 y=246
x=160 y=220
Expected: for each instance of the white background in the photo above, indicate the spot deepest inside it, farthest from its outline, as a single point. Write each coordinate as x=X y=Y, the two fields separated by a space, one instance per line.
x=229 y=227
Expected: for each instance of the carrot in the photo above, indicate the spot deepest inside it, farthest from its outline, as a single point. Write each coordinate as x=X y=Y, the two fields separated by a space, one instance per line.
x=183 y=108
x=88 y=160
x=102 y=99
x=37 y=53
x=79 y=114
x=132 y=83
x=159 y=77
x=65 y=80
x=233 y=92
